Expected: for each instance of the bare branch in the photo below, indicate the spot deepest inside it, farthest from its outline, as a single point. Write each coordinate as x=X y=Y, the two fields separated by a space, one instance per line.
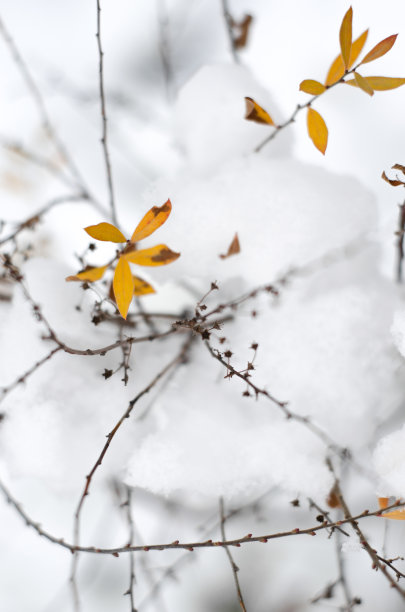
x=104 y=139
x=234 y=567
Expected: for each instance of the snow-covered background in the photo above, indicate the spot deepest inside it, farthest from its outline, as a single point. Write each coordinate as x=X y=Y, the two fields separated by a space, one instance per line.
x=332 y=344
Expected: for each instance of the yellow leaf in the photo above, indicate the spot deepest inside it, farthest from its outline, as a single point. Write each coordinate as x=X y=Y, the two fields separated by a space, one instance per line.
x=379 y=83
x=398 y=515
x=363 y=84
x=312 y=87
x=142 y=287
x=345 y=37
x=233 y=249
x=153 y=219
x=159 y=255
x=337 y=70
x=105 y=231
x=123 y=285
x=90 y=275
x=317 y=130
x=256 y=113
x=379 y=50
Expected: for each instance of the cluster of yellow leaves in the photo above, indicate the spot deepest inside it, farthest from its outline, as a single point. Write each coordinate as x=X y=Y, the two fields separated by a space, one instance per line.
x=398 y=515
x=125 y=285
x=341 y=67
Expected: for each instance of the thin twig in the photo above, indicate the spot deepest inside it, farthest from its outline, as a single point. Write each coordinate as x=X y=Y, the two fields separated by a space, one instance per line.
x=190 y=546
x=235 y=568
x=130 y=590
x=400 y=241
x=104 y=139
x=377 y=563
x=31 y=221
x=179 y=358
x=298 y=109
x=164 y=47
x=39 y=101
x=229 y=23
x=23 y=378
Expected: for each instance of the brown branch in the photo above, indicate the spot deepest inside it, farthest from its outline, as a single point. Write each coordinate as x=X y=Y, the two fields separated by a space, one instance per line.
x=229 y=27
x=130 y=590
x=400 y=241
x=190 y=546
x=104 y=140
x=298 y=109
x=315 y=429
x=31 y=221
x=39 y=101
x=22 y=379
x=377 y=563
x=179 y=358
x=44 y=115
x=234 y=567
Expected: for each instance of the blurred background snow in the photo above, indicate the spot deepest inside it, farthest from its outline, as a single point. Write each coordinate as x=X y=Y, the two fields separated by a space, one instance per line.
x=332 y=345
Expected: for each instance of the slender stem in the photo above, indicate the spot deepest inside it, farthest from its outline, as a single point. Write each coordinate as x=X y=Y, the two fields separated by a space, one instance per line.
x=229 y=23
x=234 y=567
x=104 y=137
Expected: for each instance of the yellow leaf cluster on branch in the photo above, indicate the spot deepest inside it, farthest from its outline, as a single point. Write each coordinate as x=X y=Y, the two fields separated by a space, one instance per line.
x=342 y=66
x=125 y=285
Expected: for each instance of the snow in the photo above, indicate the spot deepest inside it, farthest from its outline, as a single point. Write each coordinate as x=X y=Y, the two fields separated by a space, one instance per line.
x=331 y=345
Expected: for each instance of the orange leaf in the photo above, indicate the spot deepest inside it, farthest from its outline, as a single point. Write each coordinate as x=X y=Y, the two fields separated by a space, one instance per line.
x=123 y=285
x=398 y=515
x=105 y=231
x=317 y=130
x=393 y=182
x=312 y=87
x=379 y=50
x=379 y=83
x=337 y=70
x=153 y=219
x=256 y=113
x=363 y=84
x=383 y=502
x=233 y=248
x=90 y=275
x=159 y=255
x=345 y=37
x=142 y=287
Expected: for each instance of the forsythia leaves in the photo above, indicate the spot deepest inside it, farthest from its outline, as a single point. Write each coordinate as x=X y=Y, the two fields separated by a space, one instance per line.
x=312 y=87
x=379 y=50
x=345 y=37
x=317 y=130
x=125 y=285
x=256 y=113
x=90 y=275
x=159 y=255
x=379 y=83
x=337 y=70
x=363 y=84
x=153 y=219
x=142 y=287
x=106 y=232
